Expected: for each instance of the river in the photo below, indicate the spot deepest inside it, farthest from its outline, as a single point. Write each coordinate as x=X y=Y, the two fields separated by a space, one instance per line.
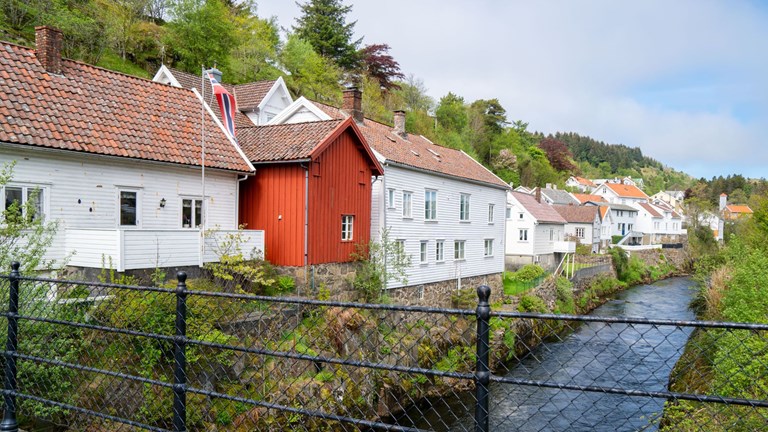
x=638 y=357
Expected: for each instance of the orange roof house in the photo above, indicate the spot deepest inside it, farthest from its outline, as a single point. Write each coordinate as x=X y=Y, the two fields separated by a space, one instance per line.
x=735 y=211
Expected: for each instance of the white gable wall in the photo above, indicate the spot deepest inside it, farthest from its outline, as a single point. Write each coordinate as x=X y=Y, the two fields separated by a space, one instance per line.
x=447 y=228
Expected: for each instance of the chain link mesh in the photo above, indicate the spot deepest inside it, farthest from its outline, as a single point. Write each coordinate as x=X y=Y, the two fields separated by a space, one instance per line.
x=100 y=357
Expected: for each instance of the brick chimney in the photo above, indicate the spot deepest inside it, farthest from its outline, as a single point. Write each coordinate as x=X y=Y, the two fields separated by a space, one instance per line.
x=48 y=43
x=538 y=194
x=353 y=103
x=400 y=123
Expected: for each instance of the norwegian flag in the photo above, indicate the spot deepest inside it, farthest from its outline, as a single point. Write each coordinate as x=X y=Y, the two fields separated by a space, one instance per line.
x=226 y=103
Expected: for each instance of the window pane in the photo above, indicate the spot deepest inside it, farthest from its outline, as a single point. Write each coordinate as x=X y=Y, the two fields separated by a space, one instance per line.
x=127 y=208
x=186 y=213
x=35 y=200
x=198 y=213
x=12 y=203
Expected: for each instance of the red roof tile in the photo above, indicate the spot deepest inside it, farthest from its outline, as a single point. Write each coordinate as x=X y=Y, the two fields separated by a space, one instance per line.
x=250 y=95
x=418 y=152
x=735 y=208
x=190 y=81
x=93 y=110
x=285 y=142
x=577 y=214
x=588 y=197
x=543 y=212
x=649 y=208
x=584 y=181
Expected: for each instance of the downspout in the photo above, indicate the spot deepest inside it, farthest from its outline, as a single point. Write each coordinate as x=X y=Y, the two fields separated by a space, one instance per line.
x=237 y=199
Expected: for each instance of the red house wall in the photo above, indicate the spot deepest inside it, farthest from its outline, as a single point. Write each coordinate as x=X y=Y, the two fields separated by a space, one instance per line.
x=273 y=200
x=339 y=184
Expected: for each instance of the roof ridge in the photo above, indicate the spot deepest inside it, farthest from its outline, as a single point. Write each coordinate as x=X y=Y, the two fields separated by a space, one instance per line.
x=289 y=124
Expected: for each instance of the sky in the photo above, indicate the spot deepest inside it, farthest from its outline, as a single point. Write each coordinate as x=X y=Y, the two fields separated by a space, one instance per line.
x=686 y=81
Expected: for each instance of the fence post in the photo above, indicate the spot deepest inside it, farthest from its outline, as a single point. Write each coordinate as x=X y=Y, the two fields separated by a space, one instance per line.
x=10 y=424
x=180 y=357
x=482 y=369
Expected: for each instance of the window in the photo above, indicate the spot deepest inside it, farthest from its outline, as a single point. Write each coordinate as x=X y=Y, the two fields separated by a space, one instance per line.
x=129 y=214
x=24 y=200
x=490 y=213
x=464 y=207
x=391 y=198
x=509 y=213
x=191 y=213
x=523 y=234
x=423 y=252
x=347 y=225
x=580 y=232
x=400 y=247
x=551 y=235
x=488 y=247
x=430 y=205
x=458 y=250
x=440 y=251
x=656 y=225
x=407 y=204
x=520 y=216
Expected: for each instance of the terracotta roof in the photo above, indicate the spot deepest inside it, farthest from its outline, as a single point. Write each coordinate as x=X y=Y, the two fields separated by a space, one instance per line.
x=250 y=95
x=543 y=212
x=735 y=208
x=603 y=212
x=93 y=110
x=284 y=142
x=588 y=197
x=584 y=181
x=418 y=152
x=577 y=214
x=626 y=191
x=190 y=81
x=649 y=208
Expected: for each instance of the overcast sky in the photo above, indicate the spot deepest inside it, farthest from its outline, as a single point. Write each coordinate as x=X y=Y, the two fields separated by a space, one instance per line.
x=686 y=81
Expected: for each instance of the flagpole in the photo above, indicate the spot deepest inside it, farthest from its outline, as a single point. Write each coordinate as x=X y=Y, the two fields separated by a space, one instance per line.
x=203 y=210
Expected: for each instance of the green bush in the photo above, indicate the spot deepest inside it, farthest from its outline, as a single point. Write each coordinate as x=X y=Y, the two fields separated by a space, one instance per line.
x=564 y=302
x=527 y=273
x=531 y=303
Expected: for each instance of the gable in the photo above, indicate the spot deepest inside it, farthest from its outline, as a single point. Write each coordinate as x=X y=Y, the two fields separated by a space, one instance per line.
x=300 y=111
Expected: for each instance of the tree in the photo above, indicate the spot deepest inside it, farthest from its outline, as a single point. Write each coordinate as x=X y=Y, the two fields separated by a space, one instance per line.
x=311 y=75
x=202 y=32
x=413 y=94
x=256 y=50
x=558 y=154
x=323 y=25
x=451 y=113
x=379 y=65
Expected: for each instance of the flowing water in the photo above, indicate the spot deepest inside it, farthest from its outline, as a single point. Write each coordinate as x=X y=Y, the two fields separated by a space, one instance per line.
x=638 y=357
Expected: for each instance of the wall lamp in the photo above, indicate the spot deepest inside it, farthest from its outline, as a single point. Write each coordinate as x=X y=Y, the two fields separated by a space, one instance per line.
x=162 y=203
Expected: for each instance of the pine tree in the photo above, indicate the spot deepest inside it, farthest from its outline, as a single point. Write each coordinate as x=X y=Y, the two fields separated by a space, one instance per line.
x=323 y=25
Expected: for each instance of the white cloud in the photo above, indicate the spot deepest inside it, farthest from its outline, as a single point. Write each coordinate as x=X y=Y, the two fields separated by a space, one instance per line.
x=682 y=80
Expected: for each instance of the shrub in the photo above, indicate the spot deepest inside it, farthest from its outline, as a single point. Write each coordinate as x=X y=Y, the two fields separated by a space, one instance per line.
x=531 y=303
x=564 y=296
x=527 y=273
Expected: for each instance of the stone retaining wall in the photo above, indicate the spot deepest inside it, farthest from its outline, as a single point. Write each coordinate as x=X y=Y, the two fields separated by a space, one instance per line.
x=438 y=294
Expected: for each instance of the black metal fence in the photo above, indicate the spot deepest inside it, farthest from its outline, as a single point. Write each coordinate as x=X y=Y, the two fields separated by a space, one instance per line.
x=104 y=357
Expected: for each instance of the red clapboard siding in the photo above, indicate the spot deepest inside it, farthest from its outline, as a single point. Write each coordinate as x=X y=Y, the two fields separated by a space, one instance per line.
x=273 y=201
x=343 y=187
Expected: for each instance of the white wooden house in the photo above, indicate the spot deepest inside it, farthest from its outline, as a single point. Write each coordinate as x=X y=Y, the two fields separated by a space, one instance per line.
x=117 y=161
x=535 y=232
x=442 y=207
x=582 y=224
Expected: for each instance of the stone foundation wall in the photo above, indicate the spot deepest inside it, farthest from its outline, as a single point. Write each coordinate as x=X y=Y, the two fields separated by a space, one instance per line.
x=438 y=294
x=515 y=262
x=334 y=277
x=677 y=257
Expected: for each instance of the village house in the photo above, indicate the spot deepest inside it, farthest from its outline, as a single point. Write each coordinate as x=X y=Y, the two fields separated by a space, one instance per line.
x=580 y=183
x=535 y=233
x=582 y=224
x=672 y=197
x=552 y=195
x=443 y=208
x=116 y=161
x=732 y=212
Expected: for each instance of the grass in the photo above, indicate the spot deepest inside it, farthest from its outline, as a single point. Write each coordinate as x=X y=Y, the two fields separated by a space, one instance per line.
x=514 y=288
x=113 y=62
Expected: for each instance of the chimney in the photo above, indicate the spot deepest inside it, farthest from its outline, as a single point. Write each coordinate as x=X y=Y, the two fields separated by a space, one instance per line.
x=400 y=123
x=48 y=43
x=353 y=103
x=216 y=74
x=538 y=194
x=723 y=201
x=548 y=186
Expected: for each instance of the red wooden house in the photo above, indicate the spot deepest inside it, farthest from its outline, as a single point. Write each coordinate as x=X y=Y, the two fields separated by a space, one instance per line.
x=311 y=193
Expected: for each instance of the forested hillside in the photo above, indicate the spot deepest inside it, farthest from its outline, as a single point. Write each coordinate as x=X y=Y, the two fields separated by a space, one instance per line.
x=317 y=56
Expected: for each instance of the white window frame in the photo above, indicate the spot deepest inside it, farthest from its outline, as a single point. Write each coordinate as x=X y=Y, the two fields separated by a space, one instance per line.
x=464 y=205
x=390 y=198
x=488 y=248
x=440 y=251
x=347 y=228
x=407 y=204
x=136 y=191
x=26 y=191
x=522 y=235
x=580 y=232
x=430 y=211
x=491 y=210
x=194 y=223
x=508 y=214
x=423 y=252
x=459 y=250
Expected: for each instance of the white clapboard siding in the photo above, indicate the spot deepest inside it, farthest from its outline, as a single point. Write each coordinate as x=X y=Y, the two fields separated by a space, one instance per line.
x=81 y=193
x=447 y=227
x=250 y=243
x=92 y=247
